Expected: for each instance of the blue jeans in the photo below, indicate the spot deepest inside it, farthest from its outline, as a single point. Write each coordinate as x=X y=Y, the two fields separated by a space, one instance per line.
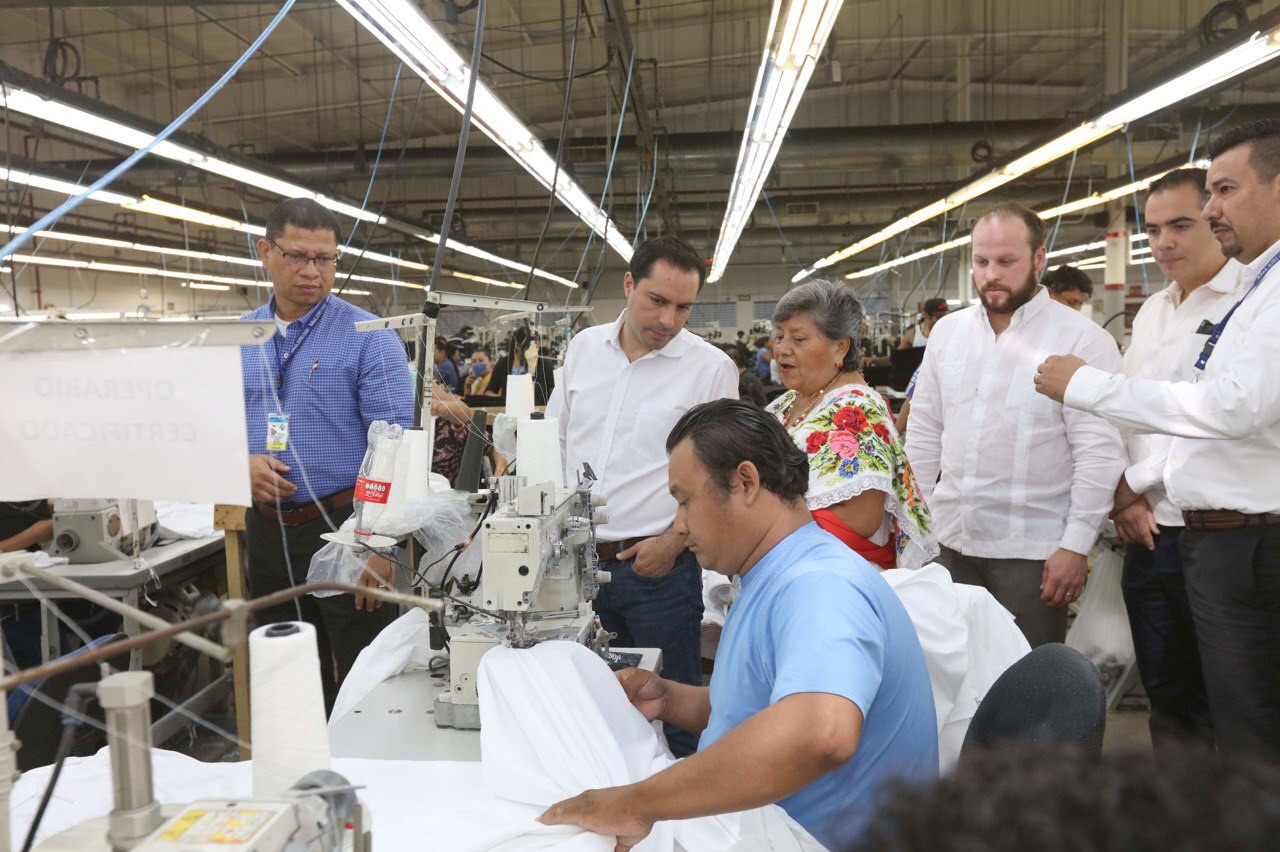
x=1164 y=638
x=658 y=612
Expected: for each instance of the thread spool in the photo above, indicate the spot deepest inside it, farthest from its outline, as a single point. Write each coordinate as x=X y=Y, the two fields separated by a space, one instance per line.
x=538 y=450
x=286 y=705
x=520 y=395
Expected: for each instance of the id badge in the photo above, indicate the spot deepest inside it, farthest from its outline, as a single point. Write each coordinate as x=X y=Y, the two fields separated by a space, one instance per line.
x=277 y=433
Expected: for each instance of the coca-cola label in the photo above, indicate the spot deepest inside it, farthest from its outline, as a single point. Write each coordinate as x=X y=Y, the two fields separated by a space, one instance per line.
x=372 y=490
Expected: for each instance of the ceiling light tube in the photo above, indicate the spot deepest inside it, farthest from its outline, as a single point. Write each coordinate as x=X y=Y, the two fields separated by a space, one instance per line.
x=405 y=30
x=1258 y=49
x=790 y=56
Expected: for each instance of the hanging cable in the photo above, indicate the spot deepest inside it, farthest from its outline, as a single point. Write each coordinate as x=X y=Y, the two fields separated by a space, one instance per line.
x=72 y=203
x=1137 y=214
x=474 y=74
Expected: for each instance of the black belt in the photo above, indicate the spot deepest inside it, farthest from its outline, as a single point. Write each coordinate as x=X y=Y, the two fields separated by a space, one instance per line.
x=607 y=551
x=1225 y=520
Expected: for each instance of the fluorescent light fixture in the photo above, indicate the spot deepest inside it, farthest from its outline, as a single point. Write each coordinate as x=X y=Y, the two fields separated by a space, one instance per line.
x=52 y=184
x=480 y=279
x=797 y=35
x=909 y=258
x=81 y=120
x=463 y=248
x=103 y=315
x=197 y=285
x=177 y=211
x=406 y=31
x=1259 y=49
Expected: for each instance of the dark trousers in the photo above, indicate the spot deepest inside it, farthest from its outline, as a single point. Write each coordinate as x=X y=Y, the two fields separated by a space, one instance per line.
x=659 y=612
x=1233 y=585
x=1015 y=584
x=1164 y=638
x=278 y=558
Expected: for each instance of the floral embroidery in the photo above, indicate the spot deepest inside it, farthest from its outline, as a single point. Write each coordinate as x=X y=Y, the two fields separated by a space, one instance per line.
x=853 y=447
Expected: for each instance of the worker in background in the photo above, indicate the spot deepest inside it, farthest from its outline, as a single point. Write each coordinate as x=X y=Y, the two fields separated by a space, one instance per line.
x=626 y=383
x=1068 y=286
x=523 y=357
x=1222 y=467
x=446 y=370
x=478 y=374
x=820 y=693
x=1168 y=333
x=750 y=388
x=311 y=393
x=918 y=335
x=1019 y=487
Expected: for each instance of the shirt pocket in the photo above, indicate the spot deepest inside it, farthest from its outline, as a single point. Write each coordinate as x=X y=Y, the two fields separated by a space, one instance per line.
x=958 y=385
x=653 y=424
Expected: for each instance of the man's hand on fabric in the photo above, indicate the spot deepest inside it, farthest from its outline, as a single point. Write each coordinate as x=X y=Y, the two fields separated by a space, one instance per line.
x=646 y=691
x=1055 y=374
x=1136 y=524
x=610 y=812
x=1063 y=579
x=265 y=481
x=654 y=557
x=376 y=575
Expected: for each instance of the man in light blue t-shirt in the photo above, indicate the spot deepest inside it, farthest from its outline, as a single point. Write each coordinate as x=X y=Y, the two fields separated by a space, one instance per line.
x=820 y=693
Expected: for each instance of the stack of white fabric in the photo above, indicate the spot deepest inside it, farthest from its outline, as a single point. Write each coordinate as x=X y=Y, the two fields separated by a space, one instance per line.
x=969 y=640
x=718 y=591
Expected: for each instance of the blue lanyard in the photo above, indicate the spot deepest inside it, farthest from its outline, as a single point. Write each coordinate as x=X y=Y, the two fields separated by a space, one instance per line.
x=282 y=360
x=1207 y=352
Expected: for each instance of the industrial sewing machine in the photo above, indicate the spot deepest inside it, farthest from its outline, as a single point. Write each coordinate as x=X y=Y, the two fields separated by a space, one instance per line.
x=102 y=530
x=537 y=579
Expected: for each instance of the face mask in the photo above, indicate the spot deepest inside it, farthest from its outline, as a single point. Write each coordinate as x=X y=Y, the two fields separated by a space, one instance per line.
x=479 y=369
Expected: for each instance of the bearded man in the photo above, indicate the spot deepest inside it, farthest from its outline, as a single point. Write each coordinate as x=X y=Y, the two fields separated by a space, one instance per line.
x=1019 y=485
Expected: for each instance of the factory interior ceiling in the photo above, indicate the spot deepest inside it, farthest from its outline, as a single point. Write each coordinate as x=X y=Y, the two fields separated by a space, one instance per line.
x=909 y=98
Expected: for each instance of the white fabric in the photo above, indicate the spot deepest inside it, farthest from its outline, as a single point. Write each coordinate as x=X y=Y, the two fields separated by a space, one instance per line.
x=184 y=520
x=1164 y=347
x=718 y=591
x=1021 y=476
x=968 y=639
x=1226 y=448
x=404 y=645
x=554 y=722
x=616 y=414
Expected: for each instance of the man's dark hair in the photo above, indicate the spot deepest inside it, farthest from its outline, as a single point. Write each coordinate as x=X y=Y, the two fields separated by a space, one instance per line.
x=1056 y=798
x=1192 y=177
x=1065 y=278
x=727 y=432
x=1029 y=217
x=305 y=214
x=1263 y=137
x=736 y=354
x=674 y=251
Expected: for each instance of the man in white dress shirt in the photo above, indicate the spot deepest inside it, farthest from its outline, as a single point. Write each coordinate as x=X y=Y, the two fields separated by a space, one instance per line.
x=1168 y=333
x=625 y=385
x=1222 y=468
x=1019 y=486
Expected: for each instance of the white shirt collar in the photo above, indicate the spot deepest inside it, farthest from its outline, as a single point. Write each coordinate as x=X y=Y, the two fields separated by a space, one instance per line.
x=674 y=349
x=1023 y=314
x=1252 y=269
x=1223 y=281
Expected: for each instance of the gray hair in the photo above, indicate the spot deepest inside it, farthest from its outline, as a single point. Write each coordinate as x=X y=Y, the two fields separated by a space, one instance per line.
x=833 y=309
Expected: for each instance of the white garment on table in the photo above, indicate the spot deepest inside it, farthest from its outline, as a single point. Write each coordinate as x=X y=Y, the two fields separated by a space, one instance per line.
x=1166 y=341
x=555 y=722
x=1225 y=452
x=184 y=520
x=968 y=639
x=1021 y=475
x=404 y=645
x=616 y=415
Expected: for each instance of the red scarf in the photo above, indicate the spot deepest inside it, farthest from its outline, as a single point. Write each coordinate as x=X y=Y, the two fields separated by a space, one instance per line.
x=883 y=556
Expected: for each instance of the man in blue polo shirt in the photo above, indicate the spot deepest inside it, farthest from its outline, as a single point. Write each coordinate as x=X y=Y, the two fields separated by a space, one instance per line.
x=311 y=393
x=820 y=693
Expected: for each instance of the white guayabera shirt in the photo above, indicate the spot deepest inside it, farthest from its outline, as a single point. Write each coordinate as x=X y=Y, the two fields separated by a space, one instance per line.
x=1008 y=472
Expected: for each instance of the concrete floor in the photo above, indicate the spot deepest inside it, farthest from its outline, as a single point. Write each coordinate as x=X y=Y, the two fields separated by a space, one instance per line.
x=1127 y=730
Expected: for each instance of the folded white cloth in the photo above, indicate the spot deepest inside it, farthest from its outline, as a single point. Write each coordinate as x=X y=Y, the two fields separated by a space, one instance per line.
x=184 y=520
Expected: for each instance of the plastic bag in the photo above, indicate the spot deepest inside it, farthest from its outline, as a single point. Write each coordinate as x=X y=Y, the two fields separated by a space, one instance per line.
x=1101 y=629
x=373 y=485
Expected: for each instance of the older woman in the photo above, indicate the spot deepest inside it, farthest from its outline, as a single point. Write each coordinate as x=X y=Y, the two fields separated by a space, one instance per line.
x=861 y=487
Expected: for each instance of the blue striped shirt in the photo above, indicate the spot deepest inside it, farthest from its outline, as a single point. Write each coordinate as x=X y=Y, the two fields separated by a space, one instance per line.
x=333 y=382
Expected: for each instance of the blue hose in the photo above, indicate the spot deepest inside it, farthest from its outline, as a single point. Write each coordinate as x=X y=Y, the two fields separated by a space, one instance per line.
x=72 y=203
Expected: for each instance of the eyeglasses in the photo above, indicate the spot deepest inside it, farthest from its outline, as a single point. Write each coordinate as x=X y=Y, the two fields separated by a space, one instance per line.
x=322 y=261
